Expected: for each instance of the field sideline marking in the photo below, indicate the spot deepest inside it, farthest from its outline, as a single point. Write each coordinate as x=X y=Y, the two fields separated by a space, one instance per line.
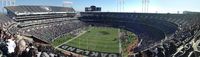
x=119 y=35
x=74 y=37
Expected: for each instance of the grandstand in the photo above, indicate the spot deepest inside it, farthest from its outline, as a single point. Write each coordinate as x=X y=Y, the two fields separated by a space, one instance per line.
x=25 y=13
x=33 y=18
x=158 y=34
x=41 y=24
x=168 y=28
x=5 y=21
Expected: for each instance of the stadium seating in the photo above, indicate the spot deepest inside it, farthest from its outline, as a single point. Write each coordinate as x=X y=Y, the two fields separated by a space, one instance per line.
x=23 y=8
x=50 y=31
x=24 y=13
x=160 y=34
x=45 y=21
x=170 y=47
x=169 y=24
x=5 y=21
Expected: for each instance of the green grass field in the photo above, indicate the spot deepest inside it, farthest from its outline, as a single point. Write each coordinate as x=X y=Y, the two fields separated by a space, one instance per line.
x=61 y=40
x=101 y=39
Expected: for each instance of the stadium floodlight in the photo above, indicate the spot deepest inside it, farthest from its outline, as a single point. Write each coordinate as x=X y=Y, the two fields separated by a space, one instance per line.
x=120 y=5
x=145 y=5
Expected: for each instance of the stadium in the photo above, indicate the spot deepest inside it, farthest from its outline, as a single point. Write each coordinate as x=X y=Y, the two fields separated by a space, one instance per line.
x=55 y=31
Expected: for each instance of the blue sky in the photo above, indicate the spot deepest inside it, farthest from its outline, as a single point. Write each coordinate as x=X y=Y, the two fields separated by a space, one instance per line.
x=163 y=6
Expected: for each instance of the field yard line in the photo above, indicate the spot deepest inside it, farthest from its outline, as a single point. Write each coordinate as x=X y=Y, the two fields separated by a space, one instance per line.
x=74 y=37
x=119 y=35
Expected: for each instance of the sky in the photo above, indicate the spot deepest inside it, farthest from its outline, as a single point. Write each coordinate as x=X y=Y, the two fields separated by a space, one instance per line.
x=160 y=6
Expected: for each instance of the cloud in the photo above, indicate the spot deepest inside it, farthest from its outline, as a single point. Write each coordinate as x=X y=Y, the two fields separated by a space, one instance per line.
x=67 y=2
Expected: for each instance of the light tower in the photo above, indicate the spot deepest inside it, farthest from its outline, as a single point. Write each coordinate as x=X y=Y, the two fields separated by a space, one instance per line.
x=120 y=5
x=145 y=6
x=6 y=3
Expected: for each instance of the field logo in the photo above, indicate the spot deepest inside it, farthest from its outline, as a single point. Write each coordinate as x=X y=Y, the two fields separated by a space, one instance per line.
x=89 y=53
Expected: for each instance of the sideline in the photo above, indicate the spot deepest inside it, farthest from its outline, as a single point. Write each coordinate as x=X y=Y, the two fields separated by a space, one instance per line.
x=119 y=39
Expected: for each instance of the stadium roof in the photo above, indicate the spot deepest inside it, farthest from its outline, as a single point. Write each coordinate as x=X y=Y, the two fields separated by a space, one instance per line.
x=30 y=9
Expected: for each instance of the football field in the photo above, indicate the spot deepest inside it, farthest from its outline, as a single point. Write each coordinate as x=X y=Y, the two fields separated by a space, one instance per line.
x=102 y=39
